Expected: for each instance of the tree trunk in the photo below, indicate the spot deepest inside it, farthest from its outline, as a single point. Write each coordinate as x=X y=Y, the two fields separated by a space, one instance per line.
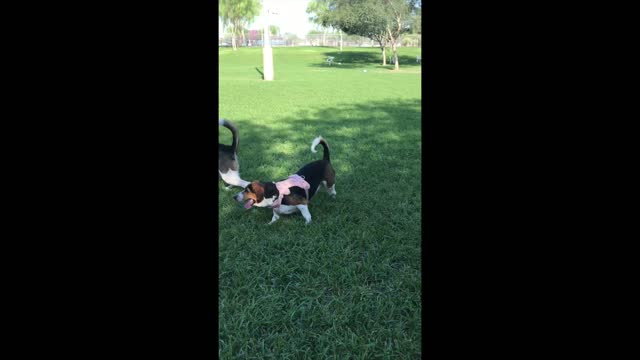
x=394 y=46
x=384 y=54
x=395 y=55
x=340 y=40
x=234 y=31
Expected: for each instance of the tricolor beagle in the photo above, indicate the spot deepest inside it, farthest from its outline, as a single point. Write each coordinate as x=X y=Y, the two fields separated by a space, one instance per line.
x=294 y=193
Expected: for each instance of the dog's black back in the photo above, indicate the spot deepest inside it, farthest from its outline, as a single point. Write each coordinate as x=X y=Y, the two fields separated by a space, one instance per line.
x=314 y=173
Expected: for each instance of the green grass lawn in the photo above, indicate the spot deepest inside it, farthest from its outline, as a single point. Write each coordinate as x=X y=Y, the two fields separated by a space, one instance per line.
x=347 y=286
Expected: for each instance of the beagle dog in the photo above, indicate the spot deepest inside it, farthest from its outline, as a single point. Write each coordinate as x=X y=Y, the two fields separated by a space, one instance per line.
x=294 y=193
x=228 y=165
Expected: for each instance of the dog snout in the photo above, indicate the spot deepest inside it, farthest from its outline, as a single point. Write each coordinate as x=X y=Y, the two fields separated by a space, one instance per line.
x=238 y=197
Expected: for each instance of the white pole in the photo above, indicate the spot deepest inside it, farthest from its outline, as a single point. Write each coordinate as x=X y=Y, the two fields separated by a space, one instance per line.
x=267 y=51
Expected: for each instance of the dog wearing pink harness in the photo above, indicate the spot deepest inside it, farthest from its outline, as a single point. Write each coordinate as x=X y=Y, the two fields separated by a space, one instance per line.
x=284 y=186
x=294 y=193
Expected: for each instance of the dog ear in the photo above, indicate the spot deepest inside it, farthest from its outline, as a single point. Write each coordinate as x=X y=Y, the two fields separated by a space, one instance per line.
x=258 y=189
x=255 y=183
x=252 y=186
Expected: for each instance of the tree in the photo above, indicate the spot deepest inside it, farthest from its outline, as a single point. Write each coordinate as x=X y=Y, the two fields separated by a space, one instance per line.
x=380 y=20
x=416 y=20
x=416 y=24
x=357 y=17
x=243 y=28
x=313 y=35
x=318 y=10
x=399 y=22
x=236 y=14
x=274 y=30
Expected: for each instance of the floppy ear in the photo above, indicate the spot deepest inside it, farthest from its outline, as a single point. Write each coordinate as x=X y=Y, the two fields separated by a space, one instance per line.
x=258 y=189
x=251 y=185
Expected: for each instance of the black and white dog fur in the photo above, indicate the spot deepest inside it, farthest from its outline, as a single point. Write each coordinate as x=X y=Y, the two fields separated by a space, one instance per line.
x=228 y=165
x=320 y=172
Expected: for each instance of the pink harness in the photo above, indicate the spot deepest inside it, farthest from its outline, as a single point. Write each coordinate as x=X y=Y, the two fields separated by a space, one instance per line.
x=284 y=186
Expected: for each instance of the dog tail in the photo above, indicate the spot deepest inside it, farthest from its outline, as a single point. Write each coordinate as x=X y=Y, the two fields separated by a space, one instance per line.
x=320 y=140
x=234 y=131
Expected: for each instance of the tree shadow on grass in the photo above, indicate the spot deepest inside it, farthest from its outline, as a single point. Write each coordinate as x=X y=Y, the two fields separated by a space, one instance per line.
x=375 y=148
x=358 y=59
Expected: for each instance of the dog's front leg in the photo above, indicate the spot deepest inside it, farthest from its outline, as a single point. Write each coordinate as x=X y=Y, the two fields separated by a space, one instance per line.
x=275 y=217
x=304 y=209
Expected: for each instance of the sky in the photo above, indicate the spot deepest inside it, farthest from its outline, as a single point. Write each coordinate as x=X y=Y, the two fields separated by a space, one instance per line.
x=292 y=17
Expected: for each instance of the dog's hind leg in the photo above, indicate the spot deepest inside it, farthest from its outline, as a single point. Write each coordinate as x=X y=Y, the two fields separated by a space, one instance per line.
x=330 y=182
x=332 y=190
x=304 y=209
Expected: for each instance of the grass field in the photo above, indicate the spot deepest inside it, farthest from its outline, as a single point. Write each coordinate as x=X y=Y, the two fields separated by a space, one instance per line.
x=347 y=286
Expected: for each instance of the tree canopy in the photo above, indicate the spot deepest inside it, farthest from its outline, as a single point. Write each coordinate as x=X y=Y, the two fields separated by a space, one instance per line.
x=319 y=10
x=274 y=30
x=380 y=20
x=237 y=14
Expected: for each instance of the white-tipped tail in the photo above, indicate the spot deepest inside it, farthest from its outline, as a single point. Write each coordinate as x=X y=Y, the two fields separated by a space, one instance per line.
x=315 y=143
x=220 y=122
